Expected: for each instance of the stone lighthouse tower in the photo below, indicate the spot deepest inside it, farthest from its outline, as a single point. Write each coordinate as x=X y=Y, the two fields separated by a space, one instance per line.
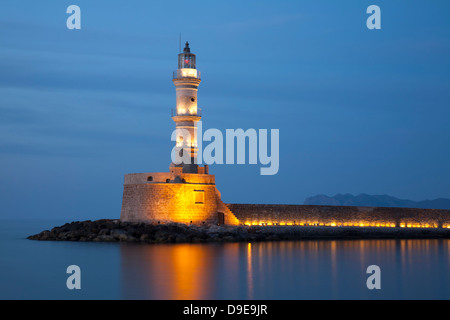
x=186 y=114
x=187 y=193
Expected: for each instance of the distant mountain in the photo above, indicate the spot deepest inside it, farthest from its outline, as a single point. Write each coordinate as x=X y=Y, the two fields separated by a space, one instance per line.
x=366 y=200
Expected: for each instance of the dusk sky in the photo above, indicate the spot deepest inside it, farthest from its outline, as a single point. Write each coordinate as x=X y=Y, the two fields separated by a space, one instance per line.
x=359 y=110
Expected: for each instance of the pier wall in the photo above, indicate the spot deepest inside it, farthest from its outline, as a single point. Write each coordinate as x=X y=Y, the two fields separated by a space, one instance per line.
x=266 y=214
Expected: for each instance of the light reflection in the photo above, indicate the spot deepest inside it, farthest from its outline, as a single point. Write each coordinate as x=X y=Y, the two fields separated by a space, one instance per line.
x=278 y=270
x=175 y=272
x=249 y=271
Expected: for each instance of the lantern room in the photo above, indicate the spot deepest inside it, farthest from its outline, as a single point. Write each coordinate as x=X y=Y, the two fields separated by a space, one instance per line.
x=186 y=60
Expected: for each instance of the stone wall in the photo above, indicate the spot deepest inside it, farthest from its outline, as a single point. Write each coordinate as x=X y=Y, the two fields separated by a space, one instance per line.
x=257 y=214
x=230 y=218
x=169 y=202
x=173 y=197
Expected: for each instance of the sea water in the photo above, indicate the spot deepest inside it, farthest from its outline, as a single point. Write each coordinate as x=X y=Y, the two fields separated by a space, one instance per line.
x=322 y=269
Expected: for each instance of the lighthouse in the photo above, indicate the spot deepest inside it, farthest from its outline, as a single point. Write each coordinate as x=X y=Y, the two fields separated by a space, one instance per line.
x=186 y=114
x=187 y=193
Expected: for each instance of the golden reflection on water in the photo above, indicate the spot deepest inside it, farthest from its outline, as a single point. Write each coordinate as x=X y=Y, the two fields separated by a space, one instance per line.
x=190 y=268
x=249 y=271
x=260 y=270
x=176 y=272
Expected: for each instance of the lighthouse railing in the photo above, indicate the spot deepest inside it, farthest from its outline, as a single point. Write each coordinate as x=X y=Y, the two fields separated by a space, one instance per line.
x=187 y=113
x=187 y=74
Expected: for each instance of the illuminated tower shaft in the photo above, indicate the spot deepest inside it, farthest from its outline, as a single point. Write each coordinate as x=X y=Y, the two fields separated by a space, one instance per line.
x=186 y=115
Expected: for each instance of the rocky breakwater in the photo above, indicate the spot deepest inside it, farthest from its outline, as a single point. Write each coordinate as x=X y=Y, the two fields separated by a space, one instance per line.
x=118 y=231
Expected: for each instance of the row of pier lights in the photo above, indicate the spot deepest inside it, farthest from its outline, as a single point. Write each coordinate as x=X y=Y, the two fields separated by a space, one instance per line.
x=348 y=224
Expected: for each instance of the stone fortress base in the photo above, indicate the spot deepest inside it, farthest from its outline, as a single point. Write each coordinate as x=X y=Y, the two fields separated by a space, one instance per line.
x=174 y=196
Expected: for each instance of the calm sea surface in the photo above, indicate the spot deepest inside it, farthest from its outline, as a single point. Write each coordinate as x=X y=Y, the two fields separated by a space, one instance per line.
x=410 y=269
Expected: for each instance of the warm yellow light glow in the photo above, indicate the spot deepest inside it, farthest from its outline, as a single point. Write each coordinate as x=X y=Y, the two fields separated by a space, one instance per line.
x=345 y=224
x=189 y=266
x=188 y=73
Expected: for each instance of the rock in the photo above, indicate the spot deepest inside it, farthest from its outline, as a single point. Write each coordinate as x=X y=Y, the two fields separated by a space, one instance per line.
x=181 y=238
x=162 y=236
x=144 y=237
x=105 y=238
x=119 y=234
x=47 y=235
x=104 y=231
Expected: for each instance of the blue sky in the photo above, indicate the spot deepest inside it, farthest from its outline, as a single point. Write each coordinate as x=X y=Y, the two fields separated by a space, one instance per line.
x=359 y=111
